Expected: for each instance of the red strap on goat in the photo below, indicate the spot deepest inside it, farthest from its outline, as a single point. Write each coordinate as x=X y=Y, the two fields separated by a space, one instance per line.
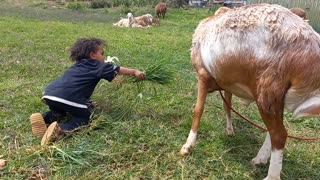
x=263 y=128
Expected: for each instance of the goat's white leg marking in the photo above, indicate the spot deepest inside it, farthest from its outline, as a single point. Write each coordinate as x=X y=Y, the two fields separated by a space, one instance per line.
x=264 y=152
x=275 y=165
x=229 y=126
x=190 y=143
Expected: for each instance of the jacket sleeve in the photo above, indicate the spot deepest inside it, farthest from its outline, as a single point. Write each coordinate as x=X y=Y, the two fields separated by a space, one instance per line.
x=109 y=71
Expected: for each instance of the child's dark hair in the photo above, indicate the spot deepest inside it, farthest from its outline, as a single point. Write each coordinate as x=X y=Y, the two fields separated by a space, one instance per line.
x=84 y=46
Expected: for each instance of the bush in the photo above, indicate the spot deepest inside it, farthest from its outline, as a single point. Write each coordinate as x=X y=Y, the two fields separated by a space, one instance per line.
x=95 y=4
x=214 y=7
x=177 y=3
x=125 y=10
x=125 y=3
x=76 y=5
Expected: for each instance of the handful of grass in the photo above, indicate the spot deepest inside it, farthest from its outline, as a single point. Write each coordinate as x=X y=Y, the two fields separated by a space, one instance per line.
x=157 y=73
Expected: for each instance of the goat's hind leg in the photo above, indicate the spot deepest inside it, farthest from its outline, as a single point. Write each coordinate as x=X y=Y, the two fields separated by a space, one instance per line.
x=227 y=106
x=206 y=84
x=264 y=153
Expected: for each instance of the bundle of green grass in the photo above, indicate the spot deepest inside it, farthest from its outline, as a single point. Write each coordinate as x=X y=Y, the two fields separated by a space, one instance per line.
x=156 y=73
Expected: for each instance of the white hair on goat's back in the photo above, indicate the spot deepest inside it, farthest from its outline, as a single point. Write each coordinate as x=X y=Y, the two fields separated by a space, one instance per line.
x=251 y=24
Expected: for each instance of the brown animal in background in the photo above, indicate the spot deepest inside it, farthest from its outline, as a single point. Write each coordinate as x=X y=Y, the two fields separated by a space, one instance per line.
x=300 y=12
x=262 y=53
x=161 y=9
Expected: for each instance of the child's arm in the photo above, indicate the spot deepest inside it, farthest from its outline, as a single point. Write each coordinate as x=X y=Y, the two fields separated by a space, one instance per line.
x=127 y=71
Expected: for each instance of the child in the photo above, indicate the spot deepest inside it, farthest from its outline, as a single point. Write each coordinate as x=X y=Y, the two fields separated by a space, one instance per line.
x=71 y=92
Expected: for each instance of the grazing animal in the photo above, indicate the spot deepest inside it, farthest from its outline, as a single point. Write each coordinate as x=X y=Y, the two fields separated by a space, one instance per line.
x=143 y=21
x=262 y=53
x=125 y=22
x=161 y=9
x=300 y=12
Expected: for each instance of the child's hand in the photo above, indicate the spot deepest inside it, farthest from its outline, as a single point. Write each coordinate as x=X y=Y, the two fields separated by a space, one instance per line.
x=139 y=75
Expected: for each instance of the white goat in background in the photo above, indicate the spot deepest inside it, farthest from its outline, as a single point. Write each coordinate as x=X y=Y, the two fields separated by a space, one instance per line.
x=125 y=22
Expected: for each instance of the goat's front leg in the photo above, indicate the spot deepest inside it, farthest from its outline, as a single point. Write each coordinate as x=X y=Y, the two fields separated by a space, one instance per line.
x=203 y=86
x=278 y=136
x=227 y=106
x=270 y=102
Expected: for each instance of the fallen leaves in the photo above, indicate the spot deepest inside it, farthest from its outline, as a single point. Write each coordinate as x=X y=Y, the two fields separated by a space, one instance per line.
x=2 y=163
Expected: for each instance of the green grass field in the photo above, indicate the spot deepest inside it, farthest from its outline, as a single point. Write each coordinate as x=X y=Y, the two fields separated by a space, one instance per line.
x=130 y=137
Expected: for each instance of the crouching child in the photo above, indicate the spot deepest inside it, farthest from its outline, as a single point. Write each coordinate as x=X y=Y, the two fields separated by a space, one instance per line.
x=71 y=92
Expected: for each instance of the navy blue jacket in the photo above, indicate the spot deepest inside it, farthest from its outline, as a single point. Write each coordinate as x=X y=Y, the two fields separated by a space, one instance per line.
x=79 y=81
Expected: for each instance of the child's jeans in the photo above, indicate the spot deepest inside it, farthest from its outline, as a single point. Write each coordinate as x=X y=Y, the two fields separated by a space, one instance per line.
x=58 y=110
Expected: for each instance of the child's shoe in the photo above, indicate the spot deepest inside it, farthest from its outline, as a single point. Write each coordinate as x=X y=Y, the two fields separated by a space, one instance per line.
x=38 y=125
x=53 y=133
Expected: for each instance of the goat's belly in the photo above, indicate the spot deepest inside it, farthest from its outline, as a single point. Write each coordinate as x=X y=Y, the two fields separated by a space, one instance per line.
x=240 y=91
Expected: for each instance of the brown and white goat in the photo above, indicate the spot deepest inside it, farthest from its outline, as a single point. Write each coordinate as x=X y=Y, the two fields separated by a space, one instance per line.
x=143 y=21
x=262 y=53
x=146 y=20
x=228 y=96
x=160 y=10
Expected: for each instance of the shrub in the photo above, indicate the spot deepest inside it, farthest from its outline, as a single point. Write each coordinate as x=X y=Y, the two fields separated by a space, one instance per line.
x=95 y=4
x=177 y=3
x=125 y=3
x=76 y=5
x=125 y=10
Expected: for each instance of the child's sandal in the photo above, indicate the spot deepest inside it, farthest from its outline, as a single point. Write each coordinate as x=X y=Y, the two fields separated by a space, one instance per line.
x=38 y=125
x=52 y=134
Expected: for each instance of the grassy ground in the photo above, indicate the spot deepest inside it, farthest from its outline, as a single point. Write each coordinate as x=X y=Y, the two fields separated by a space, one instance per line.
x=130 y=137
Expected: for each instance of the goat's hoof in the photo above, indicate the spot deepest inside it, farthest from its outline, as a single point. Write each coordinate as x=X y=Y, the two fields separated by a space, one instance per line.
x=258 y=162
x=185 y=151
x=272 y=178
x=230 y=132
